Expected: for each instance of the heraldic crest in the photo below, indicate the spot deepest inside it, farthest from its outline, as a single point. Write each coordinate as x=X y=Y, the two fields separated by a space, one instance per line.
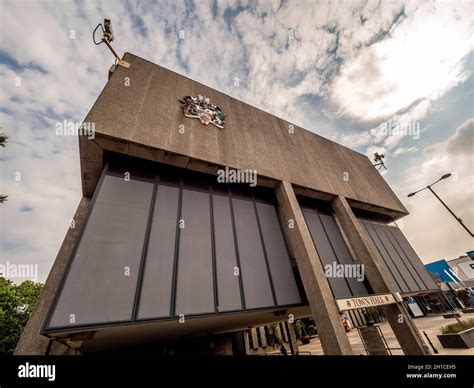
x=203 y=109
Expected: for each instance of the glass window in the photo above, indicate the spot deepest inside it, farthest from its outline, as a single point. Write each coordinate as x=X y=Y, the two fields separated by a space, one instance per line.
x=194 y=294
x=254 y=272
x=395 y=257
x=226 y=263
x=412 y=257
x=283 y=278
x=392 y=269
x=338 y=285
x=399 y=258
x=101 y=283
x=155 y=297
x=342 y=252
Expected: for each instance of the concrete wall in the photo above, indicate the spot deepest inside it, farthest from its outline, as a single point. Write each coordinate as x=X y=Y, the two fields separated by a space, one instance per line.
x=143 y=119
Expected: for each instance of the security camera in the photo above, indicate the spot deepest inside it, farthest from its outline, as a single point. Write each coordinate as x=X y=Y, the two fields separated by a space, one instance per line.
x=378 y=158
x=108 y=32
x=107 y=38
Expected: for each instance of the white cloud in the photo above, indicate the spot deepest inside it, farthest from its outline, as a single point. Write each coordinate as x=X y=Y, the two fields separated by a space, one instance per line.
x=403 y=150
x=421 y=59
x=432 y=230
x=61 y=78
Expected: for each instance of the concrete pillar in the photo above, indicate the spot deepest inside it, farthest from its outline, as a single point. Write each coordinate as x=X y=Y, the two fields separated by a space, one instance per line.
x=263 y=337
x=292 y=341
x=397 y=315
x=223 y=345
x=238 y=343
x=31 y=342
x=334 y=340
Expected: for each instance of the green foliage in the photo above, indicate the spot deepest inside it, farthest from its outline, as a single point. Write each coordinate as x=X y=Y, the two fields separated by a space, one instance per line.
x=458 y=327
x=278 y=337
x=273 y=335
x=16 y=305
x=300 y=329
x=373 y=315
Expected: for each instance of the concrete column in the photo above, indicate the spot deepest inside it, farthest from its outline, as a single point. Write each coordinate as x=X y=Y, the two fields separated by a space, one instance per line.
x=223 y=345
x=31 y=342
x=239 y=343
x=334 y=340
x=292 y=341
x=397 y=315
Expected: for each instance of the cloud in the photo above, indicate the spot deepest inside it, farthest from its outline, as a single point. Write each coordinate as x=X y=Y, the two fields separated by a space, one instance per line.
x=430 y=228
x=320 y=65
x=462 y=143
x=403 y=150
x=420 y=59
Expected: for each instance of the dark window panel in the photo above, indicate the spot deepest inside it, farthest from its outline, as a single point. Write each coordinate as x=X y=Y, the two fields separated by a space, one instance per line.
x=97 y=288
x=284 y=282
x=264 y=195
x=241 y=191
x=219 y=188
x=254 y=272
x=169 y=177
x=411 y=255
x=396 y=256
x=342 y=252
x=392 y=269
x=227 y=282
x=338 y=285
x=195 y=293
x=137 y=168
x=196 y=181
x=155 y=298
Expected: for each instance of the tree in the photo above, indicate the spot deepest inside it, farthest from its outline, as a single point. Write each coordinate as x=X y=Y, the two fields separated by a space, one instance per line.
x=16 y=305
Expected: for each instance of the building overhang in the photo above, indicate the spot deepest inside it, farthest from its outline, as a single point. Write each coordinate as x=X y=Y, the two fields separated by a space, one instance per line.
x=143 y=118
x=122 y=335
x=92 y=162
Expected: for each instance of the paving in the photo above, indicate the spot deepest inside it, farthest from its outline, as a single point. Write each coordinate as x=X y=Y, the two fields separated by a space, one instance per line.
x=431 y=325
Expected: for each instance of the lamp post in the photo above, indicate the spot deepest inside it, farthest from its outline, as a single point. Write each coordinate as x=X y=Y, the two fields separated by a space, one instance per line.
x=445 y=176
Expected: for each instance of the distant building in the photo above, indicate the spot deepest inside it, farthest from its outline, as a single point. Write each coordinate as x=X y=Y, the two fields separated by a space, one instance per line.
x=463 y=268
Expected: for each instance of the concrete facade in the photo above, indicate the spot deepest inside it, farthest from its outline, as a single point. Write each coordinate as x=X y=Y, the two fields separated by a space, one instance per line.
x=144 y=118
x=138 y=114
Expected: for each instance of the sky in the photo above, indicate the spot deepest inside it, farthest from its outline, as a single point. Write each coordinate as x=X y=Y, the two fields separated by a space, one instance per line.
x=377 y=76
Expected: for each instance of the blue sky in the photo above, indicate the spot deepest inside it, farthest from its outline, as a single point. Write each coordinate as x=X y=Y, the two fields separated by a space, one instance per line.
x=342 y=69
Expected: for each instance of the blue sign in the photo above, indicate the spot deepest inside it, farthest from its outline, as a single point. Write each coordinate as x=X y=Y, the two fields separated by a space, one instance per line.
x=441 y=271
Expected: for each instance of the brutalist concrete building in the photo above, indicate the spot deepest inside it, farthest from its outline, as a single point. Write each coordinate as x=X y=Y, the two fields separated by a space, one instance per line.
x=173 y=240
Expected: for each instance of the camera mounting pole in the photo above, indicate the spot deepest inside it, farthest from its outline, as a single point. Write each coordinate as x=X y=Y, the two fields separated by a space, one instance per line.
x=107 y=37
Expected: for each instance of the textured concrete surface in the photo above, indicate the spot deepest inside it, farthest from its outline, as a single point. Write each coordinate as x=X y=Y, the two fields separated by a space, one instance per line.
x=397 y=314
x=144 y=118
x=31 y=342
x=321 y=301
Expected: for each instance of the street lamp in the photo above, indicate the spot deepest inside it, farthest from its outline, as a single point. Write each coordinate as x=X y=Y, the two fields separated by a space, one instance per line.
x=445 y=176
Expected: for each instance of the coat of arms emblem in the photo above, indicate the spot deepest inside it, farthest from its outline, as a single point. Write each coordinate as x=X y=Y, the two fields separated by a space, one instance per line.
x=203 y=109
